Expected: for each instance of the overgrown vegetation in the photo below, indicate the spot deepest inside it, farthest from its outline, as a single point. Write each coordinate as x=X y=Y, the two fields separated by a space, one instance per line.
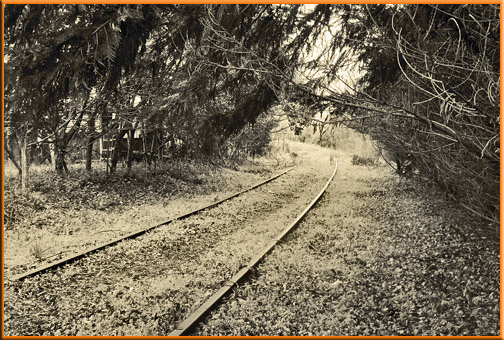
x=428 y=95
x=387 y=260
x=195 y=82
x=359 y=160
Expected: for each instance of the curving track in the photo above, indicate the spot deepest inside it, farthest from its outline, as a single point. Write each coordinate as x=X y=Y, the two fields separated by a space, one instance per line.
x=137 y=233
x=151 y=284
x=206 y=307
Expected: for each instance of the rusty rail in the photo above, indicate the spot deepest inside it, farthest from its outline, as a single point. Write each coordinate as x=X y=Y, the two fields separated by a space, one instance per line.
x=212 y=302
x=134 y=234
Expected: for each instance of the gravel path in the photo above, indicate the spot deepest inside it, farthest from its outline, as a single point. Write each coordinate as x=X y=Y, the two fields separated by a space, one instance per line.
x=147 y=285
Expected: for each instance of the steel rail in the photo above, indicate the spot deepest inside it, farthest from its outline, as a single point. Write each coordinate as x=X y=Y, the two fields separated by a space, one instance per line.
x=208 y=305
x=134 y=234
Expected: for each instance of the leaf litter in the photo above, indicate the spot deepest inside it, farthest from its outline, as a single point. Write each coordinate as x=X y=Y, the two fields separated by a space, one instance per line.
x=147 y=285
x=377 y=256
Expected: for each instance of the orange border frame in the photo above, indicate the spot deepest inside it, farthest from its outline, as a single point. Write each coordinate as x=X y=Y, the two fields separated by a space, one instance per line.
x=258 y=2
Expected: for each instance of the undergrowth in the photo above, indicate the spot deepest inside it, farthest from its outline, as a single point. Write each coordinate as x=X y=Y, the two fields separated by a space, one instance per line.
x=360 y=160
x=101 y=191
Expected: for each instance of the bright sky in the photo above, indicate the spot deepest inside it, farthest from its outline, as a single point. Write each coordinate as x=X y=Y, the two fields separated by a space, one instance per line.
x=349 y=74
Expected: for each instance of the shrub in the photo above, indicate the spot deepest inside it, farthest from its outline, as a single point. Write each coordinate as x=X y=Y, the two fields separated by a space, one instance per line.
x=37 y=251
x=359 y=160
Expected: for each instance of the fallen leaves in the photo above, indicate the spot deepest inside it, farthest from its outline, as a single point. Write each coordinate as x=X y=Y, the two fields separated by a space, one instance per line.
x=376 y=257
x=147 y=285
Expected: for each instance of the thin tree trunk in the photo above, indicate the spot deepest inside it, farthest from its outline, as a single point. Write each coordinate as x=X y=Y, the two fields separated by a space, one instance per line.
x=10 y=154
x=60 y=161
x=144 y=144
x=24 y=163
x=53 y=155
x=89 y=154
x=62 y=144
x=89 y=145
x=151 y=154
x=146 y=153
x=129 y=159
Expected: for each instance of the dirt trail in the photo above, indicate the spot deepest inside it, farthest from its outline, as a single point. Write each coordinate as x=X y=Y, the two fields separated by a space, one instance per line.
x=145 y=286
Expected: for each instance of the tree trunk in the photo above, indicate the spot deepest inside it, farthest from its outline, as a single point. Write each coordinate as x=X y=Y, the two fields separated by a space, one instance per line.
x=24 y=164
x=151 y=154
x=52 y=148
x=89 y=153
x=129 y=157
x=60 y=161
x=89 y=145
x=117 y=150
x=10 y=154
x=146 y=154
x=62 y=143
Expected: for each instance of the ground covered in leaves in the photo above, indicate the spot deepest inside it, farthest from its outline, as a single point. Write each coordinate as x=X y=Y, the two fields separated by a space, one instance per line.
x=62 y=215
x=147 y=285
x=378 y=255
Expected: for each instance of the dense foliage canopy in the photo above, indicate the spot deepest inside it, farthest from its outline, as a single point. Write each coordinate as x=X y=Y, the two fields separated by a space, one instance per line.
x=422 y=80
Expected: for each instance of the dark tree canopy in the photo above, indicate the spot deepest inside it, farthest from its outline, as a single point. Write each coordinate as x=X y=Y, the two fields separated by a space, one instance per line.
x=422 y=80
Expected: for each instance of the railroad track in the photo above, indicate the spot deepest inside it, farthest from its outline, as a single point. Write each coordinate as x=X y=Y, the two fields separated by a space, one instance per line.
x=192 y=320
x=96 y=302
x=74 y=257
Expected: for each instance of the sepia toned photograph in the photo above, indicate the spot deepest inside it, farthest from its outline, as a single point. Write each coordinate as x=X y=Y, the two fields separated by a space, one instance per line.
x=251 y=169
